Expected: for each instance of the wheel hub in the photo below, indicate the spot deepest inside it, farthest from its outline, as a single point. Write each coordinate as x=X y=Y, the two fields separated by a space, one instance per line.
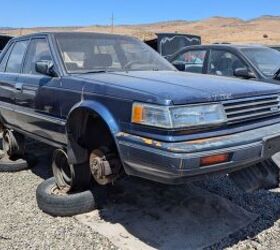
x=105 y=167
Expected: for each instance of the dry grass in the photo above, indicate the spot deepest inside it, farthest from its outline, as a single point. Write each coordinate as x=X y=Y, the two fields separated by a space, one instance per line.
x=215 y=29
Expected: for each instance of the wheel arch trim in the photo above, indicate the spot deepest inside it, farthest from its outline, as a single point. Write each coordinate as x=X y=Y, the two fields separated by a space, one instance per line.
x=77 y=154
x=99 y=109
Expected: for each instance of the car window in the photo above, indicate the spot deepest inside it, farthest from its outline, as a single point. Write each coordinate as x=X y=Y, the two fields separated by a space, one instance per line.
x=224 y=63
x=267 y=60
x=108 y=50
x=193 y=60
x=38 y=51
x=16 y=57
x=5 y=59
x=87 y=53
x=75 y=59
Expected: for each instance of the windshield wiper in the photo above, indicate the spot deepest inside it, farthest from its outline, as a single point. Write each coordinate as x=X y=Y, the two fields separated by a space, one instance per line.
x=276 y=74
x=94 y=71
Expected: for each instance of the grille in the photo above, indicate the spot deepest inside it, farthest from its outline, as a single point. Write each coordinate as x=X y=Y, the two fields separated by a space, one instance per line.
x=252 y=108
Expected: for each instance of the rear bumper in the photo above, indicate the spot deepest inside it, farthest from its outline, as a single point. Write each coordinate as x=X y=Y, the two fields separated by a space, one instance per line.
x=176 y=163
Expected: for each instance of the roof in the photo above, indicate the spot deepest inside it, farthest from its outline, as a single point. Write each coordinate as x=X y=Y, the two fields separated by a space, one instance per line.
x=220 y=46
x=72 y=34
x=240 y=46
x=233 y=46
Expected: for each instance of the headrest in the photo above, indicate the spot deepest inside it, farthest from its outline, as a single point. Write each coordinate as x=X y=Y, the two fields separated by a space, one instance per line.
x=102 y=60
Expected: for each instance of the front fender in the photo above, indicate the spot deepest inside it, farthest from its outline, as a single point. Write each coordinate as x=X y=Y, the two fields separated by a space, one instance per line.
x=100 y=110
x=77 y=154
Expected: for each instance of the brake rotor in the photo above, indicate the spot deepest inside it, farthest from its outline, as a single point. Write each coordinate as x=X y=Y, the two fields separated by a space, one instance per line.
x=104 y=166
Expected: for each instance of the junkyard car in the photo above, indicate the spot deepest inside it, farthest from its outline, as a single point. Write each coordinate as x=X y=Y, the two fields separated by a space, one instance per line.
x=244 y=61
x=276 y=47
x=167 y=44
x=114 y=104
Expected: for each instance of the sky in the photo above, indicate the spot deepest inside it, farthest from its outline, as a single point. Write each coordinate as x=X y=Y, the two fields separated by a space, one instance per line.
x=34 y=13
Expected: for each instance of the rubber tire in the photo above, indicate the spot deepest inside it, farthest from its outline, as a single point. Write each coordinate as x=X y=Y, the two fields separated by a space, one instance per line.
x=8 y=165
x=63 y=205
x=16 y=145
x=80 y=174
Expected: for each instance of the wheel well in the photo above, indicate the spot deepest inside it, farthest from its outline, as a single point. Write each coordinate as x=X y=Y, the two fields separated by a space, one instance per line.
x=2 y=123
x=89 y=130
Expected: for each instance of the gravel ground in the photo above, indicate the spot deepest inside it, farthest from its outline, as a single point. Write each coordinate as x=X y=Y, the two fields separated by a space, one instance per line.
x=264 y=233
x=24 y=226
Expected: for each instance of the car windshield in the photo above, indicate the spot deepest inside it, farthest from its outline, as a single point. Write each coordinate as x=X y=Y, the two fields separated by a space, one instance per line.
x=89 y=53
x=267 y=60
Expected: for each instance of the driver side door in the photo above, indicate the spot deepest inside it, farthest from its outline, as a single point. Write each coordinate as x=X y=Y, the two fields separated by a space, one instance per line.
x=223 y=62
x=194 y=61
x=37 y=102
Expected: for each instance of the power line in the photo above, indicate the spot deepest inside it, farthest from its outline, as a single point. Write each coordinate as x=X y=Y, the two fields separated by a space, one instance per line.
x=112 y=24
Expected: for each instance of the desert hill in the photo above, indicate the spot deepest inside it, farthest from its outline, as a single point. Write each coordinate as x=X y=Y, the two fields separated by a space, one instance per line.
x=264 y=30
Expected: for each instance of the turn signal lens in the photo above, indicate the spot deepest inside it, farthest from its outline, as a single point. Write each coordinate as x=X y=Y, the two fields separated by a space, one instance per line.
x=137 y=113
x=151 y=115
x=215 y=159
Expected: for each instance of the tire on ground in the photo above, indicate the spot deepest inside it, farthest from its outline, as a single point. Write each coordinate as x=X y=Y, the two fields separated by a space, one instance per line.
x=9 y=165
x=69 y=176
x=13 y=143
x=63 y=204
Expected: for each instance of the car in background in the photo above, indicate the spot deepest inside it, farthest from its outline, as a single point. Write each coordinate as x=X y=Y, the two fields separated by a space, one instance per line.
x=169 y=43
x=276 y=47
x=244 y=61
x=4 y=39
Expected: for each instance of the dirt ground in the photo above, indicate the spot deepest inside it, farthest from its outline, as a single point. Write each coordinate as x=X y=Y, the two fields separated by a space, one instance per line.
x=137 y=214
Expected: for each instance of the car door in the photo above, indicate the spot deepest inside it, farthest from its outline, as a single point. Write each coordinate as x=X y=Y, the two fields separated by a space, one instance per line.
x=223 y=62
x=37 y=101
x=9 y=71
x=194 y=60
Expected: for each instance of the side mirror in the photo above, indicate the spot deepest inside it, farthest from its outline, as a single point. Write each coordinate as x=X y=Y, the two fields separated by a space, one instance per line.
x=45 y=68
x=179 y=65
x=244 y=73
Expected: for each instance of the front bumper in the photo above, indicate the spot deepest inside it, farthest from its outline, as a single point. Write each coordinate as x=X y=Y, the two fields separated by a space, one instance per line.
x=176 y=163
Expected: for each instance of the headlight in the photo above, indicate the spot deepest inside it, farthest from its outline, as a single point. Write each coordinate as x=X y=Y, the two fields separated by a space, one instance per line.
x=178 y=116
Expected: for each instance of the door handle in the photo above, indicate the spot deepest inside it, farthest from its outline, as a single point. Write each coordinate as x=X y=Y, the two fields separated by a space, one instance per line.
x=19 y=86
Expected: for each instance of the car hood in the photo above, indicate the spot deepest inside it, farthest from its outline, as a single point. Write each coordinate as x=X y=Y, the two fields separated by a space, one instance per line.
x=179 y=87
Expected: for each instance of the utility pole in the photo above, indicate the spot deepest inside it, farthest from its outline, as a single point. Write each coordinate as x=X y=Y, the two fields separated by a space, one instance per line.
x=112 y=24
